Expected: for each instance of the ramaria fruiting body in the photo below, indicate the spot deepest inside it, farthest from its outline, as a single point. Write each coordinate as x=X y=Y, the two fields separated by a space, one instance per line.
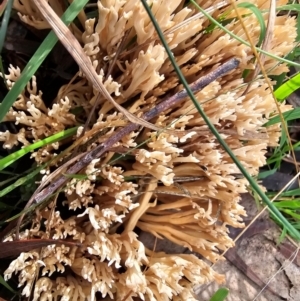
x=117 y=196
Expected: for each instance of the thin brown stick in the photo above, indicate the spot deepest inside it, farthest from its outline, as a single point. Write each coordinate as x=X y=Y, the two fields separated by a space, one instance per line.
x=118 y=52
x=109 y=143
x=99 y=150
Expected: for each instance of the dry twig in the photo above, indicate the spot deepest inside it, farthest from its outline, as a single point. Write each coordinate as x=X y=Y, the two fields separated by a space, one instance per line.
x=109 y=143
x=161 y=107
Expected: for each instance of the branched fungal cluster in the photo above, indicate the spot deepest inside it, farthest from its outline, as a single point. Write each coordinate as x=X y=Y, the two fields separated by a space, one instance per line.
x=140 y=190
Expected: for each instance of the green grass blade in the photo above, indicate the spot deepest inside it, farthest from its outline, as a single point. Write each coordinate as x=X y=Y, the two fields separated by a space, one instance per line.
x=4 y=206
x=295 y=204
x=291 y=193
x=7 y=6
x=31 y=174
x=37 y=59
x=279 y=79
x=259 y=17
x=277 y=159
x=6 y=161
x=4 y=23
x=282 y=236
x=287 y=116
x=298 y=34
x=288 y=88
x=21 y=181
x=252 y=182
x=3 y=282
x=291 y=213
x=5 y=182
x=295 y=7
x=209 y=17
x=283 y=141
x=220 y=294
x=25 y=211
x=266 y=173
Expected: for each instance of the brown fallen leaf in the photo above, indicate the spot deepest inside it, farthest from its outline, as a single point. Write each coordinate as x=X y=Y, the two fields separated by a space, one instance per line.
x=289 y=252
x=233 y=257
x=14 y=248
x=258 y=227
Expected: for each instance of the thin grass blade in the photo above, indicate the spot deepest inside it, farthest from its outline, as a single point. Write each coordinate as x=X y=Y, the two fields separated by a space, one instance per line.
x=295 y=7
x=288 y=116
x=286 y=89
x=291 y=213
x=291 y=193
x=21 y=181
x=266 y=173
x=4 y=22
x=6 y=285
x=294 y=204
x=220 y=295
x=8 y=160
x=259 y=17
x=38 y=58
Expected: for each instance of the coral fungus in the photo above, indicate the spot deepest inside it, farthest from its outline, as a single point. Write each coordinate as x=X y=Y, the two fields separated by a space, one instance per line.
x=179 y=185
